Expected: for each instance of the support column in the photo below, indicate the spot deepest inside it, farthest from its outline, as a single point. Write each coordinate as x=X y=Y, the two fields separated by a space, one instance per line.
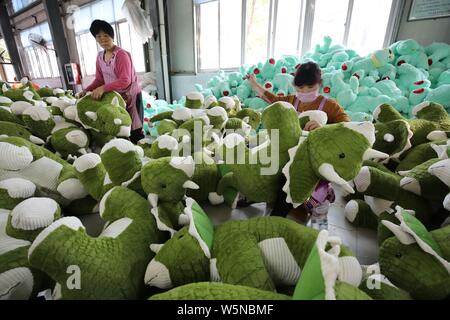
x=8 y=35
x=59 y=38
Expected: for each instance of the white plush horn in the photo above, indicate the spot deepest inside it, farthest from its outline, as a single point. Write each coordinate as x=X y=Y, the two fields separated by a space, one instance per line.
x=36 y=140
x=327 y=171
x=91 y=115
x=401 y=235
x=155 y=247
x=28 y=95
x=190 y=185
x=153 y=199
x=374 y=154
x=183 y=219
x=5 y=87
x=115 y=101
x=246 y=119
x=367 y=129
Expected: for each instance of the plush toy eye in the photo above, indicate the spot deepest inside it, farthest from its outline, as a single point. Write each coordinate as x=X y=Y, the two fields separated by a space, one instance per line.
x=398 y=255
x=342 y=155
x=163 y=186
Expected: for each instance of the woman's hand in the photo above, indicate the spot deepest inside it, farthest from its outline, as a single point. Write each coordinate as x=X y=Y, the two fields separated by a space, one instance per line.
x=98 y=93
x=311 y=125
x=80 y=94
x=251 y=78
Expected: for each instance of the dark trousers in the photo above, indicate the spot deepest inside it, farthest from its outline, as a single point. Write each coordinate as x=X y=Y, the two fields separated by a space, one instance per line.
x=281 y=207
x=138 y=134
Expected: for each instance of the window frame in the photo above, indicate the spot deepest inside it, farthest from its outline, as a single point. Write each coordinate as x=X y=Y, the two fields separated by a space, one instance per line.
x=29 y=52
x=115 y=25
x=305 y=28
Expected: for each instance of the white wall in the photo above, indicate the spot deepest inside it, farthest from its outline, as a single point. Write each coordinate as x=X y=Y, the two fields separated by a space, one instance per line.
x=424 y=31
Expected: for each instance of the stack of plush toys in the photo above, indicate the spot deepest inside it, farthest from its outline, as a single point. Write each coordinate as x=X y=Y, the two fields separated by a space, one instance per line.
x=156 y=233
x=403 y=75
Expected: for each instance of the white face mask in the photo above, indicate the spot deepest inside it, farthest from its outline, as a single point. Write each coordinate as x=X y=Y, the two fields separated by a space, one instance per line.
x=308 y=97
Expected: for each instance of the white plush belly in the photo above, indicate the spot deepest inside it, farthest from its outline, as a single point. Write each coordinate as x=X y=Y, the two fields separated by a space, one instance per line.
x=279 y=261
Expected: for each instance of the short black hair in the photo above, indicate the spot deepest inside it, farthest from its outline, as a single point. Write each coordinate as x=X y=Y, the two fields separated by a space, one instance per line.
x=101 y=25
x=308 y=74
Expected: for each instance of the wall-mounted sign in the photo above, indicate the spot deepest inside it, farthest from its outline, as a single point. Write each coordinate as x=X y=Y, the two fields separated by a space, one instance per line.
x=429 y=9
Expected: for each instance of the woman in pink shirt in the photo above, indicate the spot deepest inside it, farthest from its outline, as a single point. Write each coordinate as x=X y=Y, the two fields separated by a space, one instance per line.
x=115 y=72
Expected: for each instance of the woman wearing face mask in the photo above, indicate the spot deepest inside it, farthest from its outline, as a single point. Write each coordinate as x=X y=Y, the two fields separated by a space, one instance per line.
x=307 y=82
x=115 y=72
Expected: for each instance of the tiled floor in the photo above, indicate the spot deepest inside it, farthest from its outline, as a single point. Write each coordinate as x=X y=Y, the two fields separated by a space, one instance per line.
x=362 y=242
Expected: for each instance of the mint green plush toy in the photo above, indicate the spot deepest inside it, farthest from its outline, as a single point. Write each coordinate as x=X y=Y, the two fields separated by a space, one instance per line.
x=439 y=95
x=110 y=266
x=411 y=52
x=18 y=228
x=263 y=253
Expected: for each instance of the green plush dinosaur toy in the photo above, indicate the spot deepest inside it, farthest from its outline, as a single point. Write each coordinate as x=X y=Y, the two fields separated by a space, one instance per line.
x=318 y=280
x=416 y=260
x=22 y=217
x=12 y=129
x=385 y=185
x=395 y=134
x=334 y=153
x=250 y=170
x=421 y=153
x=217 y=291
x=165 y=181
x=107 y=117
x=110 y=266
x=262 y=253
x=51 y=174
x=119 y=164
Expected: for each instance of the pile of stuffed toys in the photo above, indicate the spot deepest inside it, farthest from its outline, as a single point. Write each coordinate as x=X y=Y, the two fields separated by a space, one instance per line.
x=61 y=158
x=403 y=75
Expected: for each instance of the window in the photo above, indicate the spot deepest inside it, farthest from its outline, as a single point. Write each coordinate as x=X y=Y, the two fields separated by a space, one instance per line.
x=8 y=73
x=108 y=10
x=20 y=4
x=41 y=62
x=273 y=28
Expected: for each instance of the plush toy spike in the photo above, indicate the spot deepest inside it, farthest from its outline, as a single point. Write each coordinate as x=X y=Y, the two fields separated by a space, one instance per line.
x=419 y=250
x=217 y=291
x=112 y=266
x=194 y=100
x=92 y=174
x=70 y=141
x=359 y=213
x=39 y=120
x=441 y=170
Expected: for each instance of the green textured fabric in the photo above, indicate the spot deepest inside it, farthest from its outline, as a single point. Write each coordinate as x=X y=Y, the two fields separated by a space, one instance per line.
x=383 y=232
x=254 y=117
x=36 y=176
x=64 y=147
x=203 y=225
x=419 y=154
x=166 y=126
x=386 y=186
x=217 y=291
x=335 y=145
x=121 y=167
x=112 y=265
x=7 y=116
x=415 y=271
x=365 y=218
x=419 y=229
x=40 y=128
x=430 y=187
x=12 y=129
x=206 y=176
x=105 y=113
x=384 y=291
